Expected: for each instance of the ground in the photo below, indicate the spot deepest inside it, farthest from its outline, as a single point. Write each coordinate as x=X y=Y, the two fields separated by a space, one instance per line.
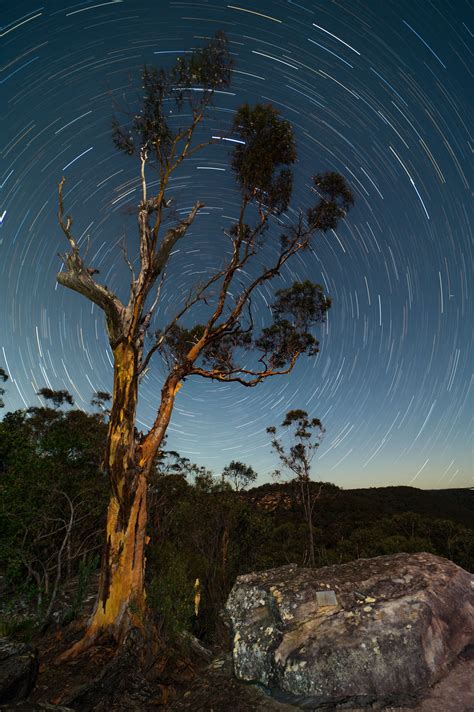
x=188 y=680
x=193 y=684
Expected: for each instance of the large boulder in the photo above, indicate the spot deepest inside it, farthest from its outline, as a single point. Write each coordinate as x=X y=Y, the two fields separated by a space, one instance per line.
x=374 y=631
x=18 y=670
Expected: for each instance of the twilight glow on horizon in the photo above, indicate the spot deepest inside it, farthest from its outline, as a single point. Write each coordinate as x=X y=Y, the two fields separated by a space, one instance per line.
x=379 y=92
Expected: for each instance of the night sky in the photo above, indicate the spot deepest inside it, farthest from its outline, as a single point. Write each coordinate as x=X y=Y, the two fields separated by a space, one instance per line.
x=377 y=91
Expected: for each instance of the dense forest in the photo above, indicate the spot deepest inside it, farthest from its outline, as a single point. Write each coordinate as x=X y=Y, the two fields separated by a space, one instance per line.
x=204 y=529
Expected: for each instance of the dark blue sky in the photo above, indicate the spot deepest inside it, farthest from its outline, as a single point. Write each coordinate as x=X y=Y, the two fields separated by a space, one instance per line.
x=378 y=91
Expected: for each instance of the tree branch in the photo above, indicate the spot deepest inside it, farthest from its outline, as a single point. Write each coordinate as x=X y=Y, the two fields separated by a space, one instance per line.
x=216 y=375
x=171 y=238
x=78 y=278
x=187 y=305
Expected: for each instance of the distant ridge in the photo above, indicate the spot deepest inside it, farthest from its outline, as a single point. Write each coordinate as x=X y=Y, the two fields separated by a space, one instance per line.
x=374 y=503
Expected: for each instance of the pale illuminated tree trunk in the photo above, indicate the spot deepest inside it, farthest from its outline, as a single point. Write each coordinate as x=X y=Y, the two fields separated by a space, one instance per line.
x=121 y=603
x=121 y=597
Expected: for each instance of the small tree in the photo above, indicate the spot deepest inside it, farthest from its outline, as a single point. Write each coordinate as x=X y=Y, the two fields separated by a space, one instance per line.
x=3 y=378
x=212 y=334
x=239 y=474
x=306 y=434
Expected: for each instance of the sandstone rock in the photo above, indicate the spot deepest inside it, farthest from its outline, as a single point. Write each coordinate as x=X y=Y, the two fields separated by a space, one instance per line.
x=374 y=631
x=18 y=670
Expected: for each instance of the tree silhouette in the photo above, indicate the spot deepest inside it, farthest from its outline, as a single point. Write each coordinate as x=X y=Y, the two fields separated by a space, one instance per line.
x=213 y=333
x=306 y=434
x=3 y=378
x=239 y=474
x=59 y=398
x=99 y=400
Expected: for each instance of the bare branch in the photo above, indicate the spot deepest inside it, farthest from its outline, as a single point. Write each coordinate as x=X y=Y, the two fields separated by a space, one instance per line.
x=266 y=275
x=198 y=116
x=187 y=305
x=123 y=247
x=79 y=278
x=145 y=323
x=171 y=238
x=67 y=534
x=143 y=160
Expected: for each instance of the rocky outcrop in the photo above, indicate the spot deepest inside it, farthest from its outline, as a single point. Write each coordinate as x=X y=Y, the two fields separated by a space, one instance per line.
x=373 y=631
x=18 y=670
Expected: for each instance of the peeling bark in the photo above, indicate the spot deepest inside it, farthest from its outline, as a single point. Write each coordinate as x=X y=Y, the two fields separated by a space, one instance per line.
x=121 y=600
x=121 y=603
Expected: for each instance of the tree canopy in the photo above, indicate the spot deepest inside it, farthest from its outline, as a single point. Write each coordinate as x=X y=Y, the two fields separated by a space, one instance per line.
x=58 y=398
x=239 y=474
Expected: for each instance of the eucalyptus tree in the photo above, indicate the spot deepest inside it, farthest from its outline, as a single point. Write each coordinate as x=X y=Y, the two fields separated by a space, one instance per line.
x=239 y=474
x=212 y=334
x=305 y=434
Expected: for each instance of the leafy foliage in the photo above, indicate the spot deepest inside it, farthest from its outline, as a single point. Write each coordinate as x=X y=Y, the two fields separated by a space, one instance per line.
x=296 y=459
x=205 y=531
x=261 y=161
x=200 y=527
x=239 y=474
x=58 y=398
x=218 y=353
x=207 y=69
x=3 y=378
x=52 y=497
x=306 y=434
x=335 y=201
x=295 y=311
x=99 y=399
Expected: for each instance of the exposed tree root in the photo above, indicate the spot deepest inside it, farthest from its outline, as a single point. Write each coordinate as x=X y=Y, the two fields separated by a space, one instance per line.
x=80 y=647
x=125 y=679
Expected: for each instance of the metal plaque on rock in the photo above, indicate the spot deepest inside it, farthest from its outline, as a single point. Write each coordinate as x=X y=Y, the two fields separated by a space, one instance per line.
x=326 y=598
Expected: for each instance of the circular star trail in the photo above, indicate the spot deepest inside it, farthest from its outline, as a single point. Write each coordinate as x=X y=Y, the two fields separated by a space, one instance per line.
x=378 y=92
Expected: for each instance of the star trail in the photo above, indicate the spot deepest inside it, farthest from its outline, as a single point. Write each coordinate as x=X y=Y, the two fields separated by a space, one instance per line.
x=379 y=92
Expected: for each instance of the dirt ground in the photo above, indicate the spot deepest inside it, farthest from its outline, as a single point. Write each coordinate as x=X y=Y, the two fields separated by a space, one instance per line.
x=218 y=691
x=195 y=684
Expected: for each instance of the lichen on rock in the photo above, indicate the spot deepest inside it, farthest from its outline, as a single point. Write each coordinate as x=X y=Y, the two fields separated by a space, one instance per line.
x=393 y=626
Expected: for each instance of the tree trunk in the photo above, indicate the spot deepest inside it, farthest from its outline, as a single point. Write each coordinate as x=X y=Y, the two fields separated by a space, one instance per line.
x=121 y=601
x=225 y=554
x=308 y=510
x=121 y=604
x=312 y=557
